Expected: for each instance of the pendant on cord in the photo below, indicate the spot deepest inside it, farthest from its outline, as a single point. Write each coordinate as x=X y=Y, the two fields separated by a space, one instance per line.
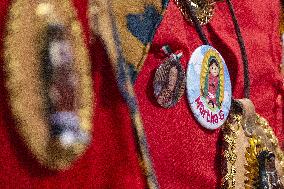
x=208 y=87
x=169 y=81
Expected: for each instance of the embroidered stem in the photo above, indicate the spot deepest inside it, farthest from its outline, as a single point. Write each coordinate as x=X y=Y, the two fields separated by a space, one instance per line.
x=126 y=88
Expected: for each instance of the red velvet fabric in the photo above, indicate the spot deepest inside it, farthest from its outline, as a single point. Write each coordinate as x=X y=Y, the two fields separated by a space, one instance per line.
x=184 y=154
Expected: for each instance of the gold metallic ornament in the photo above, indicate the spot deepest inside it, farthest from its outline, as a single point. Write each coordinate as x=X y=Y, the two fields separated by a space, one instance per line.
x=248 y=144
x=265 y=140
x=251 y=165
x=230 y=132
x=204 y=9
x=24 y=44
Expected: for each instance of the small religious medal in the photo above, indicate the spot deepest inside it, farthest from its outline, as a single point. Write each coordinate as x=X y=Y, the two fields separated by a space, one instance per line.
x=208 y=87
x=169 y=81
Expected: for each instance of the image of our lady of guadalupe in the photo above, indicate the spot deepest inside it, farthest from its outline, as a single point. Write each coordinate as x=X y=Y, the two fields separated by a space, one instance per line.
x=169 y=83
x=212 y=80
x=61 y=85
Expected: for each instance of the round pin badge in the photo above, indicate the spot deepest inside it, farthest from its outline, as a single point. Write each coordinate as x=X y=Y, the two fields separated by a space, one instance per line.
x=209 y=88
x=169 y=82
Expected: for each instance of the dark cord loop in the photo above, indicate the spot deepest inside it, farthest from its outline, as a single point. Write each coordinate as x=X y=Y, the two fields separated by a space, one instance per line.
x=243 y=50
x=192 y=14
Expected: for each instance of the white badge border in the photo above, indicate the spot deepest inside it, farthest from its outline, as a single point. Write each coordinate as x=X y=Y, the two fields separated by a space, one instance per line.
x=193 y=87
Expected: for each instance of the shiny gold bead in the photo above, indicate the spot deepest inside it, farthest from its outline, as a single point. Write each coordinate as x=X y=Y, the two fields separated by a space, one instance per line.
x=204 y=9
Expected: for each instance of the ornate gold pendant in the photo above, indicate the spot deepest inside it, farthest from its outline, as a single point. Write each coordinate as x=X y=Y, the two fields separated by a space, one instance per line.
x=252 y=157
x=49 y=80
x=204 y=9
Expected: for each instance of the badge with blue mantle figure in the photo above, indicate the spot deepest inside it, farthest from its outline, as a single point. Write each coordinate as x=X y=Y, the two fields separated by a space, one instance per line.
x=208 y=87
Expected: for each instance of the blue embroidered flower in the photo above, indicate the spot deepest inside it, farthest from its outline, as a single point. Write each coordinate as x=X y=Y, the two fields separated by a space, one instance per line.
x=143 y=25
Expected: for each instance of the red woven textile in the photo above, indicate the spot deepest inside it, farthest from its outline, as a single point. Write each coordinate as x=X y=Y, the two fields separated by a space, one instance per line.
x=184 y=154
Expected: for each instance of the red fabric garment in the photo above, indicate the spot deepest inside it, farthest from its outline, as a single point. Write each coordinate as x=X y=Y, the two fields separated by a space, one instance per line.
x=184 y=154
